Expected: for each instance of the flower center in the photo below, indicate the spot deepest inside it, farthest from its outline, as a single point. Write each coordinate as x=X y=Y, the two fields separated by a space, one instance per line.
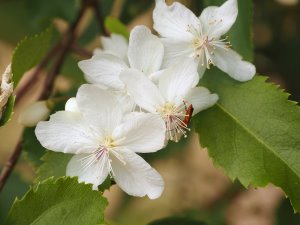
x=101 y=151
x=173 y=117
x=204 y=45
x=204 y=48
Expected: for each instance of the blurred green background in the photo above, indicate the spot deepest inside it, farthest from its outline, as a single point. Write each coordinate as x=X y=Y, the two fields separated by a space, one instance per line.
x=194 y=187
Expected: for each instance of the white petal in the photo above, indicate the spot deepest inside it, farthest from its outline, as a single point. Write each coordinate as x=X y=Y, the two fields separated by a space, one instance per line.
x=126 y=103
x=66 y=132
x=99 y=107
x=142 y=90
x=103 y=69
x=145 y=52
x=34 y=113
x=97 y=51
x=88 y=170
x=135 y=176
x=72 y=106
x=173 y=21
x=231 y=63
x=217 y=21
x=178 y=80
x=176 y=50
x=201 y=99
x=143 y=132
x=154 y=77
x=116 y=45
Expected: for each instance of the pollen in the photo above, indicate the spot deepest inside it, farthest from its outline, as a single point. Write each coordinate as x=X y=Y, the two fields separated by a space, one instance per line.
x=173 y=116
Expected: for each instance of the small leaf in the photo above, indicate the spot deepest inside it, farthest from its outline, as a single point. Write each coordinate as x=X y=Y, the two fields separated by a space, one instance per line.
x=59 y=202
x=54 y=165
x=176 y=221
x=8 y=111
x=29 y=52
x=253 y=133
x=116 y=26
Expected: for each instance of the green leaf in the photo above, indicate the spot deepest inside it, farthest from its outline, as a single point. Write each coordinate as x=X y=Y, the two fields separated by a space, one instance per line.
x=14 y=186
x=176 y=221
x=27 y=17
x=116 y=26
x=54 y=165
x=8 y=111
x=32 y=147
x=29 y=52
x=240 y=34
x=253 y=133
x=62 y=201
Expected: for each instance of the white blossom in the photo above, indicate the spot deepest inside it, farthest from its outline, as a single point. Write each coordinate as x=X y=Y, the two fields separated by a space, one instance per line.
x=200 y=38
x=34 y=113
x=105 y=141
x=175 y=92
x=145 y=53
x=116 y=45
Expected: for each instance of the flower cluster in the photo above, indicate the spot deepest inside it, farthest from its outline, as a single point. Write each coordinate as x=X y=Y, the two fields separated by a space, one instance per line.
x=141 y=95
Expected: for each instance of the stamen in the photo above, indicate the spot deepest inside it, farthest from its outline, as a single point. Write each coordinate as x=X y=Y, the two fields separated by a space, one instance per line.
x=173 y=117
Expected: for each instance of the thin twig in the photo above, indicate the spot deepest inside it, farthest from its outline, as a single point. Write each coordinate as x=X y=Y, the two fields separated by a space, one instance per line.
x=64 y=46
x=29 y=83
x=97 y=9
x=10 y=164
x=81 y=51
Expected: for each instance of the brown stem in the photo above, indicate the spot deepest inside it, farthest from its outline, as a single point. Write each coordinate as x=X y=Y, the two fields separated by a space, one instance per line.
x=23 y=89
x=64 y=46
x=81 y=51
x=9 y=165
x=96 y=7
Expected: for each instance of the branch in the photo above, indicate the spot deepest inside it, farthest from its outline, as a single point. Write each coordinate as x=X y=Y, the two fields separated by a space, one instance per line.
x=64 y=46
x=23 y=89
x=81 y=51
x=97 y=9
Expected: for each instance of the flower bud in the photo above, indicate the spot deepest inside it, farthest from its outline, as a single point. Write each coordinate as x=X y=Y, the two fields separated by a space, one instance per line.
x=34 y=113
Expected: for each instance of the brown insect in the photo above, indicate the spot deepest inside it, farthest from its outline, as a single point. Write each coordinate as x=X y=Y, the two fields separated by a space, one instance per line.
x=188 y=114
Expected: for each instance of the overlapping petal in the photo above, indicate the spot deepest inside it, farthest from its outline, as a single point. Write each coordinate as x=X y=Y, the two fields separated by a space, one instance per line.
x=144 y=133
x=173 y=21
x=201 y=99
x=178 y=80
x=134 y=175
x=145 y=52
x=117 y=45
x=72 y=106
x=142 y=90
x=231 y=63
x=176 y=50
x=66 y=132
x=88 y=169
x=216 y=21
x=99 y=108
x=103 y=69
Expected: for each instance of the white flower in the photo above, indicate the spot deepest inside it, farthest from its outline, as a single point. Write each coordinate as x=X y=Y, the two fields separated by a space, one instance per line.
x=116 y=45
x=145 y=53
x=185 y=35
x=104 y=141
x=34 y=113
x=175 y=92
